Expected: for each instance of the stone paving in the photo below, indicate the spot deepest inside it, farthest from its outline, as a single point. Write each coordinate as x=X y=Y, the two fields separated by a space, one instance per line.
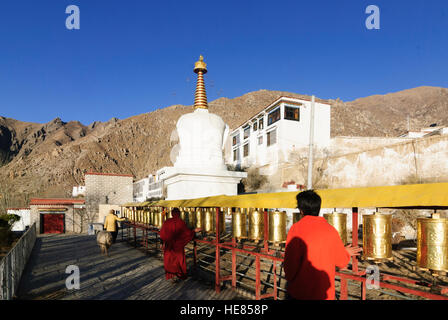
x=127 y=273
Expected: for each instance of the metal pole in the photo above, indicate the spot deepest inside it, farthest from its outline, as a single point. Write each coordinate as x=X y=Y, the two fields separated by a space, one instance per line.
x=310 y=153
x=217 y=252
x=257 y=278
x=355 y=237
x=266 y=230
x=233 y=263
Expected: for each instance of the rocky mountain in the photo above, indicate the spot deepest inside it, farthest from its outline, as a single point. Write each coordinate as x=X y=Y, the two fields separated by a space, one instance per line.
x=49 y=159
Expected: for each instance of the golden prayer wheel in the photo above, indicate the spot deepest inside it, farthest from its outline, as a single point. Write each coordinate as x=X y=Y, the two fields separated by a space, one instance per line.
x=222 y=221
x=183 y=214
x=339 y=222
x=208 y=220
x=277 y=226
x=159 y=218
x=191 y=221
x=199 y=220
x=377 y=237
x=151 y=216
x=168 y=214
x=155 y=218
x=148 y=216
x=432 y=243
x=239 y=218
x=256 y=224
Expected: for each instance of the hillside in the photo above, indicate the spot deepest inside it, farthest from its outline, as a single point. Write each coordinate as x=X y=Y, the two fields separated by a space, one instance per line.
x=49 y=159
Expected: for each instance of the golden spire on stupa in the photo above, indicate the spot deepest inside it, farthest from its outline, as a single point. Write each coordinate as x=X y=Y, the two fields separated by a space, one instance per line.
x=200 y=98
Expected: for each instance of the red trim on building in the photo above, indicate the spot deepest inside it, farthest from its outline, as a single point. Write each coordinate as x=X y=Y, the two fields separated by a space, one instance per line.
x=109 y=174
x=39 y=201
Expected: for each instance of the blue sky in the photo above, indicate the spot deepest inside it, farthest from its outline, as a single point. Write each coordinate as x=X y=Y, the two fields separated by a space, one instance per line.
x=135 y=56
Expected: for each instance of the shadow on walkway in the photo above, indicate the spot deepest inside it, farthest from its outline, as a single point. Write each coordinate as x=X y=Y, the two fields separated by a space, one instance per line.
x=126 y=274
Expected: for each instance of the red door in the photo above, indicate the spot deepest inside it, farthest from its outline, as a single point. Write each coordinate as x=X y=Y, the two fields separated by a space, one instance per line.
x=53 y=223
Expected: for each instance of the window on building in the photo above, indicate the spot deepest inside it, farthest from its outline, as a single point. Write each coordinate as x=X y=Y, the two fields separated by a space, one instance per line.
x=260 y=140
x=255 y=126
x=235 y=140
x=292 y=113
x=236 y=155
x=246 y=132
x=271 y=137
x=246 y=150
x=261 y=123
x=274 y=116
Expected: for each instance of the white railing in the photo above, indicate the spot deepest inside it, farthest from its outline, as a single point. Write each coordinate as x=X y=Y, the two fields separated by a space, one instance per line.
x=13 y=264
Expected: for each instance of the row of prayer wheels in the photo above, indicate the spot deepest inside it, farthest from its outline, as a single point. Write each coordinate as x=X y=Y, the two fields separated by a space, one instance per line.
x=149 y=216
x=203 y=218
x=246 y=223
x=249 y=224
x=432 y=239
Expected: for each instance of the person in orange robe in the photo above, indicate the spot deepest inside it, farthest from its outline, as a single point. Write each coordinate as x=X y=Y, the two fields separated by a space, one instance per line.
x=175 y=236
x=313 y=251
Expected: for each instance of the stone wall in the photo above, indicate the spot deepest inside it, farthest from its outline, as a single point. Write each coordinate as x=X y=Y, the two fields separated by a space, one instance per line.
x=421 y=160
x=106 y=189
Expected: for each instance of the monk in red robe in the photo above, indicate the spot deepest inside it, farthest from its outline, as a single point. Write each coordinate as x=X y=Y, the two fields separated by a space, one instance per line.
x=313 y=251
x=175 y=234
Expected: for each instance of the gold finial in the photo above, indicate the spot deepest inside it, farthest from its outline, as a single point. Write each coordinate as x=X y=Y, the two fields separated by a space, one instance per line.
x=200 y=98
x=200 y=65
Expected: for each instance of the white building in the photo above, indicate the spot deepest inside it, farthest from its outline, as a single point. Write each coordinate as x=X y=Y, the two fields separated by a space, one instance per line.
x=78 y=191
x=140 y=190
x=426 y=132
x=267 y=138
x=150 y=187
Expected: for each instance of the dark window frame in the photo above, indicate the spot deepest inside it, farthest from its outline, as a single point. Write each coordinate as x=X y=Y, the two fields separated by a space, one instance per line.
x=244 y=150
x=293 y=118
x=236 y=139
x=269 y=139
x=274 y=116
x=246 y=129
x=236 y=151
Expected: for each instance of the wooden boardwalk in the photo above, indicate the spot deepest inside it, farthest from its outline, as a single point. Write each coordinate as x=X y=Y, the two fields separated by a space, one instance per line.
x=127 y=273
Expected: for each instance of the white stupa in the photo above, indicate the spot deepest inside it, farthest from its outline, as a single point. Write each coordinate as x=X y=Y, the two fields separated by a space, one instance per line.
x=199 y=169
